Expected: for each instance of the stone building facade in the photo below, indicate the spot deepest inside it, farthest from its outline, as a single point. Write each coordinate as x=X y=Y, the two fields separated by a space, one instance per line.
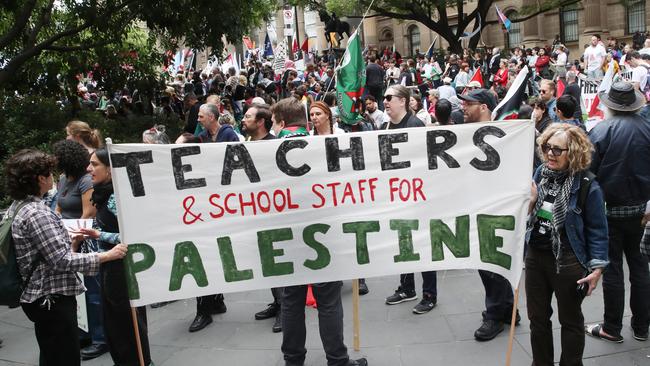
x=574 y=25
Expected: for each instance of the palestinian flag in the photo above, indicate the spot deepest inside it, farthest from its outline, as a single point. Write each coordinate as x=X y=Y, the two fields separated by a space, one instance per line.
x=350 y=79
x=559 y=89
x=508 y=108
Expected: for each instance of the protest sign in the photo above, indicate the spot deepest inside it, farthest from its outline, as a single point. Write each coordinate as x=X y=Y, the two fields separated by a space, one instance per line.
x=216 y=218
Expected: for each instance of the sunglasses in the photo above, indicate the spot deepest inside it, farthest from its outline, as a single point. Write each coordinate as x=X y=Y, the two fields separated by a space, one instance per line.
x=542 y=91
x=556 y=151
x=389 y=97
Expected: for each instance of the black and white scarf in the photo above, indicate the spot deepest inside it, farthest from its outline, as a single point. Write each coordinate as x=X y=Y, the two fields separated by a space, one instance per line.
x=563 y=180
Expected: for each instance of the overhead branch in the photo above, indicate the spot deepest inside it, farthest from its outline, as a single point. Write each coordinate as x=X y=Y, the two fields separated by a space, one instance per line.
x=540 y=10
x=19 y=24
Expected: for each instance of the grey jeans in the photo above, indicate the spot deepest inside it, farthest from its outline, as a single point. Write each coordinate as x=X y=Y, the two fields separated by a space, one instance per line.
x=330 y=323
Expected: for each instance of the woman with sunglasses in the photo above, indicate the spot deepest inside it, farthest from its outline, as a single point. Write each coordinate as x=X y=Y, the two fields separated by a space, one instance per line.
x=118 y=324
x=567 y=242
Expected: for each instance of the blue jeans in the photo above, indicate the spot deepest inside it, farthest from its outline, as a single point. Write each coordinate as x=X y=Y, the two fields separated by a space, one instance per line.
x=624 y=238
x=94 y=309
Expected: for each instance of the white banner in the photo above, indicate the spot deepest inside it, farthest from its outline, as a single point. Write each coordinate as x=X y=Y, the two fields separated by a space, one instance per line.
x=214 y=218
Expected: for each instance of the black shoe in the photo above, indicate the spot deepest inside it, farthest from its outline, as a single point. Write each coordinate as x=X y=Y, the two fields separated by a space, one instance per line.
x=427 y=303
x=363 y=288
x=220 y=305
x=637 y=335
x=506 y=319
x=277 y=326
x=268 y=313
x=400 y=296
x=200 y=321
x=488 y=330
x=358 y=362
x=93 y=351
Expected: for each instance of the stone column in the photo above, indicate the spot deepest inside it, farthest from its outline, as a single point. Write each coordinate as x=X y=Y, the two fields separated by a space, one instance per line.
x=300 y=16
x=531 y=36
x=593 y=19
x=370 y=32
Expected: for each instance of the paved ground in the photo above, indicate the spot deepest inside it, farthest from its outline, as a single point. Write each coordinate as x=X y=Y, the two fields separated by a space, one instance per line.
x=390 y=335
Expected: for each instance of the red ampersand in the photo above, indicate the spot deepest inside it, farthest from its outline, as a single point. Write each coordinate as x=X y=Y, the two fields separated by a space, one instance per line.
x=195 y=217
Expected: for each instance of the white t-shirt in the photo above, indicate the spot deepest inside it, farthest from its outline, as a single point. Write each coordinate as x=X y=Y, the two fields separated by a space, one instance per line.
x=377 y=117
x=640 y=75
x=645 y=51
x=594 y=57
x=561 y=59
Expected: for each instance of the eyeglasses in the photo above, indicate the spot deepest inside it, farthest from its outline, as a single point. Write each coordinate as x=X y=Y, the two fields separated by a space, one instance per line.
x=542 y=91
x=556 y=151
x=389 y=97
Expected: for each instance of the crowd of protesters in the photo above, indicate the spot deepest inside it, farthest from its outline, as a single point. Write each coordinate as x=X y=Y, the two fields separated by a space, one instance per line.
x=572 y=241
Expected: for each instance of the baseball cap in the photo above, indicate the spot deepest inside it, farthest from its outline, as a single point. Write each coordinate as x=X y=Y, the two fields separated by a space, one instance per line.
x=482 y=96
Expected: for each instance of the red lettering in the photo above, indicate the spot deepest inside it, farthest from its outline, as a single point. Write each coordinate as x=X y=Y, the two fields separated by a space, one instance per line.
x=372 y=185
x=188 y=202
x=347 y=192
x=333 y=187
x=417 y=188
x=225 y=202
x=290 y=204
x=212 y=199
x=361 y=188
x=404 y=197
x=279 y=207
x=263 y=208
x=320 y=195
x=243 y=204
x=393 y=189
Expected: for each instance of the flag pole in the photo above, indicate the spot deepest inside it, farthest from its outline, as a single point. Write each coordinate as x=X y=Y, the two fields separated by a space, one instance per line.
x=355 y=316
x=513 y=318
x=137 y=336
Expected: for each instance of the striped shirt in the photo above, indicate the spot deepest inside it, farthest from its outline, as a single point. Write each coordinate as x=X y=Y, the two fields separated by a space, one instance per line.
x=42 y=242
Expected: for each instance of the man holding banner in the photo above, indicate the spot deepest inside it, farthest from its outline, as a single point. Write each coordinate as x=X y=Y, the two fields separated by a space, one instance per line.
x=477 y=107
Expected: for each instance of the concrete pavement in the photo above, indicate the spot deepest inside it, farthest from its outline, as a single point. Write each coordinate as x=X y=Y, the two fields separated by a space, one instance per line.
x=390 y=335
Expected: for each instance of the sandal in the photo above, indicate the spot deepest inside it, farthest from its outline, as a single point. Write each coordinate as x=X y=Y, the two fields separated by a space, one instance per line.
x=594 y=331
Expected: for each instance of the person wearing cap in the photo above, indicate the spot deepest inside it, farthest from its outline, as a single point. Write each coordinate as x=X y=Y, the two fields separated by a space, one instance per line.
x=622 y=167
x=446 y=90
x=473 y=85
x=477 y=107
x=396 y=102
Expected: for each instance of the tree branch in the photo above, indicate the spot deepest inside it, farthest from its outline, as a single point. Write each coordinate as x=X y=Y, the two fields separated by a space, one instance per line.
x=19 y=24
x=80 y=47
x=540 y=10
x=43 y=19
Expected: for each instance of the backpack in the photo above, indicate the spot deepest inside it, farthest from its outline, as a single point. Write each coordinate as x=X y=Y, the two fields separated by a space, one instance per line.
x=11 y=283
x=583 y=192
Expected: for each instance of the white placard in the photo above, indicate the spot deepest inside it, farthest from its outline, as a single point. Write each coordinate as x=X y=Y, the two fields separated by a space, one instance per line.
x=214 y=218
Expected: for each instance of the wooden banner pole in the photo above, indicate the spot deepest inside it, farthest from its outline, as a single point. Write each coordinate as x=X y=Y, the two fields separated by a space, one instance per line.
x=513 y=318
x=355 y=315
x=137 y=336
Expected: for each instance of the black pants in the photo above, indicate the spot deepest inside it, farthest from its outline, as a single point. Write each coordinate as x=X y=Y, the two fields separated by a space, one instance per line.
x=118 y=324
x=624 y=238
x=56 y=330
x=429 y=283
x=498 y=296
x=206 y=304
x=330 y=323
x=542 y=282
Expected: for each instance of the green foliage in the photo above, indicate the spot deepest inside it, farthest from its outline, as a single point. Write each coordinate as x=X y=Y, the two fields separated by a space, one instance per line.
x=37 y=122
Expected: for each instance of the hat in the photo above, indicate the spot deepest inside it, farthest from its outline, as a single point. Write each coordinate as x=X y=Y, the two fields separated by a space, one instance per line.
x=258 y=100
x=622 y=97
x=474 y=84
x=447 y=80
x=482 y=96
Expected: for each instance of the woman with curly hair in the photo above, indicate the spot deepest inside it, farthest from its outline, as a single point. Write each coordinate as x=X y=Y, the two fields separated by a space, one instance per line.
x=74 y=191
x=567 y=242
x=47 y=258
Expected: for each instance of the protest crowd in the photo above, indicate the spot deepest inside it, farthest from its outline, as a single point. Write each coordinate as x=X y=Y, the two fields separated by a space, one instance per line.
x=589 y=208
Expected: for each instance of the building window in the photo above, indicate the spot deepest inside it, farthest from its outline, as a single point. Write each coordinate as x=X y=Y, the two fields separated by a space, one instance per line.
x=386 y=35
x=636 y=17
x=569 y=23
x=414 y=39
x=513 y=37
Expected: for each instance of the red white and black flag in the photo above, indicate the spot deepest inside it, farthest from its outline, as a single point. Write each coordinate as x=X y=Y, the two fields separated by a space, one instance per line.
x=508 y=108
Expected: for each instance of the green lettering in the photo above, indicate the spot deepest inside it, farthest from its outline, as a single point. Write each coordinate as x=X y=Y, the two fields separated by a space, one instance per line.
x=361 y=229
x=323 y=256
x=489 y=242
x=265 y=240
x=229 y=264
x=132 y=267
x=457 y=243
x=404 y=228
x=187 y=261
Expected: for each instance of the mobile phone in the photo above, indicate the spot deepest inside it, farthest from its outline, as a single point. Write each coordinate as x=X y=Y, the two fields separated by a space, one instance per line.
x=582 y=289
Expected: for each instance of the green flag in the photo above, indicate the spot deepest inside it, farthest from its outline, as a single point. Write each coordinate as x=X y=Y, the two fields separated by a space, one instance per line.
x=350 y=80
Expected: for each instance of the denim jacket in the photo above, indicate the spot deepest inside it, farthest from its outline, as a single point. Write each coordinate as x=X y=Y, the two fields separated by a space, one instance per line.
x=587 y=231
